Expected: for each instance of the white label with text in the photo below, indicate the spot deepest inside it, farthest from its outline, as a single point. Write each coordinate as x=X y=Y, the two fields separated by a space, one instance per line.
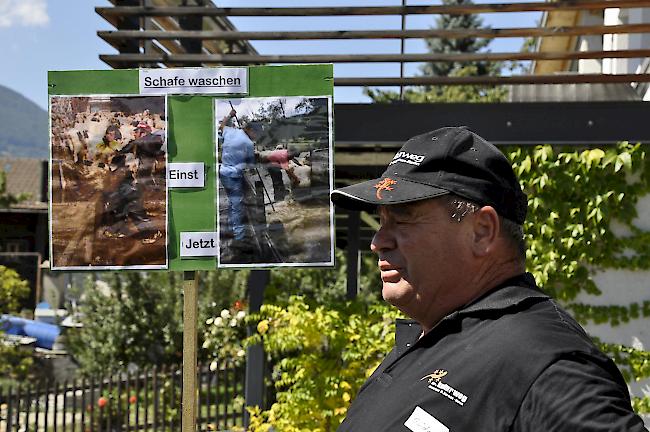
x=223 y=80
x=199 y=244
x=186 y=175
x=422 y=421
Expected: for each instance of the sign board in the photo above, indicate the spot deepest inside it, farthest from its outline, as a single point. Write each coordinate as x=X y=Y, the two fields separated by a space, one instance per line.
x=186 y=175
x=223 y=80
x=139 y=178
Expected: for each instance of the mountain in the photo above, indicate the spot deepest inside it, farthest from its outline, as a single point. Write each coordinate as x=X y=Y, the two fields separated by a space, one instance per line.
x=23 y=126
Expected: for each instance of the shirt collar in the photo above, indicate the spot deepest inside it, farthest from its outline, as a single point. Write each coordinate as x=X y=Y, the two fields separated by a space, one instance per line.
x=510 y=294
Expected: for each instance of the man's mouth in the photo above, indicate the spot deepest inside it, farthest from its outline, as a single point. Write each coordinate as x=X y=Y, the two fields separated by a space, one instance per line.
x=389 y=273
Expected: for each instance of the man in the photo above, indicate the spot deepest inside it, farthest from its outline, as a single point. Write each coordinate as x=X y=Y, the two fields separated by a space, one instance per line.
x=237 y=154
x=278 y=160
x=147 y=147
x=122 y=200
x=485 y=350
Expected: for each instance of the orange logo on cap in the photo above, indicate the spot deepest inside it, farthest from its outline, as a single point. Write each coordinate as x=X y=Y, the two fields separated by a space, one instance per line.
x=385 y=184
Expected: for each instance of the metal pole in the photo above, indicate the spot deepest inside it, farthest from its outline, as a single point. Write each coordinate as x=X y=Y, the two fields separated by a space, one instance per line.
x=190 y=291
x=401 y=51
x=354 y=230
x=254 y=392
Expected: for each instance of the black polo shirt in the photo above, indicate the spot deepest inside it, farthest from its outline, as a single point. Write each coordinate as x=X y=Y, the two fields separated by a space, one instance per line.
x=511 y=361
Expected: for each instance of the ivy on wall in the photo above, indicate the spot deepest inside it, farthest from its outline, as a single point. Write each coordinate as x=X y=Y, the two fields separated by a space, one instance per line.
x=574 y=198
x=323 y=351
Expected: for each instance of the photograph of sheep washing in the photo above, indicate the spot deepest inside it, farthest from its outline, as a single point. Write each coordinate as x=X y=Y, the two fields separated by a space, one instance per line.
x=275 y=176
x=108 y=191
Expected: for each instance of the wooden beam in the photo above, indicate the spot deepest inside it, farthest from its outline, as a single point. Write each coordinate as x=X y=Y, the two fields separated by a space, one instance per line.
x=232 y=59
x=379 y=34
x=495 y=80
x=463 y=9
x=190 y=309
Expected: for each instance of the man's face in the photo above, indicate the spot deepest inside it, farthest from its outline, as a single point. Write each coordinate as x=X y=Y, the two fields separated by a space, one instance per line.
x=420 y=254
x=110 y=136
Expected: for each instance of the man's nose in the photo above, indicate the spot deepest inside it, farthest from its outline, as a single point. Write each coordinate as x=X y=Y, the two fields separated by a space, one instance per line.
x=382 y=240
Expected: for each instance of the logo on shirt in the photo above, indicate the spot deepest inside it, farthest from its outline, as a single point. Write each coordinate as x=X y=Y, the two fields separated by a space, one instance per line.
x=435 y=383
x=383 y=185
x=406 y=157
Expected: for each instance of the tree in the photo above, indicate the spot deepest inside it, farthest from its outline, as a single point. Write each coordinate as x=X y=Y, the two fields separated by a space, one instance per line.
x=13 y=290
x=14 y=362
x=135 y=318
x=457 y=45
x=464 y=93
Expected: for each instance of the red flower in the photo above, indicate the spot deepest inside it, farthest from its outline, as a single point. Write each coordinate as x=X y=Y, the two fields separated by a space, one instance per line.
x=102 y=401
x=133 y=399
x=239 y=305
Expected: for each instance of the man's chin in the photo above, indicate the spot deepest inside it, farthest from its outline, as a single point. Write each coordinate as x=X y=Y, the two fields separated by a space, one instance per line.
x=396 y=294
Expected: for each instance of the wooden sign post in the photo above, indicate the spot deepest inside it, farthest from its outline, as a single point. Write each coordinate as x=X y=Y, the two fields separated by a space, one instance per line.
x=190 y=296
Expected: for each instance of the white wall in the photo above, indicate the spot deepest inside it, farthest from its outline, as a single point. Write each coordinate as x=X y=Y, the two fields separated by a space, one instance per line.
x=616 y=16
x=590 y=43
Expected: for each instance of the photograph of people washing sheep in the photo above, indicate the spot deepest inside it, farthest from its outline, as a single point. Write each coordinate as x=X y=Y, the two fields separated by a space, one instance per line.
x=108 y=182
x=275 y=176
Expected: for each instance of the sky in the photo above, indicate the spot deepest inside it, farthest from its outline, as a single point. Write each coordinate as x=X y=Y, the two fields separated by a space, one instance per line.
x=41 y=35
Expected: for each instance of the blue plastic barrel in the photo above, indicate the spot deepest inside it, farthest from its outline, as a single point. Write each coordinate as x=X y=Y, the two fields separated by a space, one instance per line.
x=44 y=333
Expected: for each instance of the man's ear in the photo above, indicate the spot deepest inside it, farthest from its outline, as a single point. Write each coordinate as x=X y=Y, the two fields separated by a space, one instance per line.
x=485 y=230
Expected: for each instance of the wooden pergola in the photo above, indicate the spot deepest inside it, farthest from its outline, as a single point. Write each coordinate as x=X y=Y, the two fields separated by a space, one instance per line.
x=163 y=33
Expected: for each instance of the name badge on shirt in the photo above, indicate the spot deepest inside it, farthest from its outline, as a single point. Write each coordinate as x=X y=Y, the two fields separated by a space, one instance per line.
x=422 y=421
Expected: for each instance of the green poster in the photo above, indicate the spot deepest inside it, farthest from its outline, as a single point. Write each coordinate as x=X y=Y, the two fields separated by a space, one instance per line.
x=139 y=178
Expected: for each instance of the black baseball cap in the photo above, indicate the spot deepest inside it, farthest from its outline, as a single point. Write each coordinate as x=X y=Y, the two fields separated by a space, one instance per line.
x=446 y=160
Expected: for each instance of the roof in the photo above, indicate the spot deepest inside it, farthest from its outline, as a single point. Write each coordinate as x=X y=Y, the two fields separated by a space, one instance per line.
x=25 y=175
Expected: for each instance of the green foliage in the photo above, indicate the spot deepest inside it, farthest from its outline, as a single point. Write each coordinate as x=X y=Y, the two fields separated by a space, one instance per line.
x=218 y=290
x=13 y=290
x=633 y=363
x=573 y=197
x=136 y=318
x=444 y=93
x=612 y=314
x=324 y=286
x=15 y=362
x=224 y=338
x=322 y=356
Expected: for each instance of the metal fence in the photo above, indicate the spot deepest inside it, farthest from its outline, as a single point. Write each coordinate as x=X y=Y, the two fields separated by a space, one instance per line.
x=146 y=400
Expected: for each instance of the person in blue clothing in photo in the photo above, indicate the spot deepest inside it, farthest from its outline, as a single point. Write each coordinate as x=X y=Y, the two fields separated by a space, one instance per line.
x=237 y=155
